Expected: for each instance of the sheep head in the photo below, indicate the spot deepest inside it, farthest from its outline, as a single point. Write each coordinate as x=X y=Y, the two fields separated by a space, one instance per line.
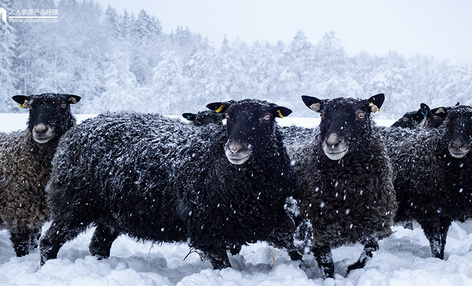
x=459 y=130
x=344 y=122
x=250 y=127
x=204 y=117
x=49 y=114
x=412 y=118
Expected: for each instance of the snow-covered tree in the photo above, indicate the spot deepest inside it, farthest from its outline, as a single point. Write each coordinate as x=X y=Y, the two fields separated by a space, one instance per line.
x=146 y=27
x=119 y=60
x=7 y=55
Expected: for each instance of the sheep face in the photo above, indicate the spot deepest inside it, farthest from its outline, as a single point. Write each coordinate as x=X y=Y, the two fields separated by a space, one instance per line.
x=250 y=127
x=459 y=131
x=49 y=114
x=204 y=117
x=343 y=122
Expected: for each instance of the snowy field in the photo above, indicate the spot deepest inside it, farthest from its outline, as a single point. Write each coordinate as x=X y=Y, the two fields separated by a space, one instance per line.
x=403 y=259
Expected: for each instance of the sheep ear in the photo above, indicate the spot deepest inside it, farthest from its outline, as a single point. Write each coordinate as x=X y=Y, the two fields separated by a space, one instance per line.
x=280 y=111
x=424 y=109
x=440 y=111
x=218 y=107
x=22 y=100
x=313 y=103
x=189 y=116
x=375 y=102
x=73 y=99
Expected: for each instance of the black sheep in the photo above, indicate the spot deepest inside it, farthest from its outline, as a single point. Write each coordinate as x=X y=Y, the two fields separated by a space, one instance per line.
x=163 y=180
x=423 y=117
x=25 y=157
x=345 y=179
x=432 y=176
x=418 y=178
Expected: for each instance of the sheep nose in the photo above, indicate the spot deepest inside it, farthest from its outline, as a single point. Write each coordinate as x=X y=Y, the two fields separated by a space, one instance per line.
x=40 y=129
x=235 y=147
x=333 y=140
x=457 y=144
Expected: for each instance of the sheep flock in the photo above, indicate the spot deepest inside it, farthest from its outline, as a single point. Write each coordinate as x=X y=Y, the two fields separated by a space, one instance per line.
x=231 y=176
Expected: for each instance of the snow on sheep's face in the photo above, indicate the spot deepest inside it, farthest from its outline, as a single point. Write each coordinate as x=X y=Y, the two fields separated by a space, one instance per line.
x=250 y=127
x=459 y=131
x=343 y=122
x=49 y=114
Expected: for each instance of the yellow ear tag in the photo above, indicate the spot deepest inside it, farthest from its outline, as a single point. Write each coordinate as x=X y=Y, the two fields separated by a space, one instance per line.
x=373 y=107
x=24 y=104
x=280 y=113
x=219 y=109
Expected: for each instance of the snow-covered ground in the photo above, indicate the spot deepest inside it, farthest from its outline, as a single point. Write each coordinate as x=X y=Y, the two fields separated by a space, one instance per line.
x=403 y=259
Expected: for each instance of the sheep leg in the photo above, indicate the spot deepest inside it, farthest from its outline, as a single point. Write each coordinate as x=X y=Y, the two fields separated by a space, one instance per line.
x=408 y=225
x=102 y=240
x=436 y=233
x=219 y=260
x=369 y=248
x=55 y=237
x=291 y=249
x=282 y=238
x=21 y=239
x=235 y=249
x=324 y=258
x=34 y=237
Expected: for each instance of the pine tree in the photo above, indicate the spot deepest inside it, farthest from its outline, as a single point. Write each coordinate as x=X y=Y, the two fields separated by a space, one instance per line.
x=113 y=22
x=146 y=27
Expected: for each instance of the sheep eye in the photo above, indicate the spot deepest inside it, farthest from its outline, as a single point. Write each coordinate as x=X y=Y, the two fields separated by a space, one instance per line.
x=226 y=115
x=63 y=105
x=266 y=117
x=436 y=117
x=361 y=115
x=321 y=114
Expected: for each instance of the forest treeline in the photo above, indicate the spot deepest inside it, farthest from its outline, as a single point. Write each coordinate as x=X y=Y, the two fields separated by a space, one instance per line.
x=117 y=60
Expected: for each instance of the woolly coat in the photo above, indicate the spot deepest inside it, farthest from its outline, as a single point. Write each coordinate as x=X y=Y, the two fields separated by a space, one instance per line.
x=159 y=179
x=294 y=134
x=349 y=200
x=23 y=176
x=419 y=172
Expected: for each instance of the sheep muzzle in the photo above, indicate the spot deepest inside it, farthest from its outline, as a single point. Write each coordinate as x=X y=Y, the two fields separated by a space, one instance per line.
x=335 y=147
x=42 y=133
x=458 y=149
x=237 y=153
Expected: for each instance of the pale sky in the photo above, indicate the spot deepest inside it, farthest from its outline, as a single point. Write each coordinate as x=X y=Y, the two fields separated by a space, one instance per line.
x=441 y=28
